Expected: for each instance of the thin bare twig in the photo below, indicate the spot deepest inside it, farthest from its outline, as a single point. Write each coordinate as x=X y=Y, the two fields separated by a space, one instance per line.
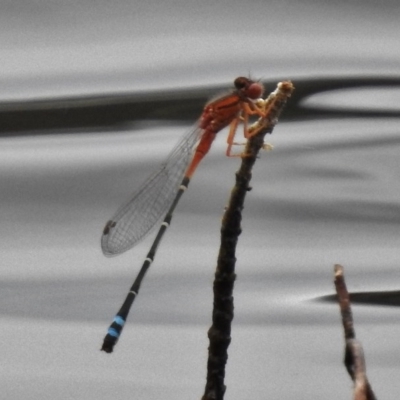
x=354 y=355
x=220 y=332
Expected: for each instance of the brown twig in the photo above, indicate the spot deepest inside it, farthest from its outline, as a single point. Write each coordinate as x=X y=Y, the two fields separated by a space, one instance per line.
x=354 y=354
x=220 y=332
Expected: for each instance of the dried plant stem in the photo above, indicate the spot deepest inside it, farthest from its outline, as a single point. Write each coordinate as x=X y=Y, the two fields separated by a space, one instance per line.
x=220 y=332
x=354 y=355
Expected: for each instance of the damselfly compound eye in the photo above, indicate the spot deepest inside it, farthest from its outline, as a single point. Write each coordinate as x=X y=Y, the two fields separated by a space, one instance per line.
x=255 y=90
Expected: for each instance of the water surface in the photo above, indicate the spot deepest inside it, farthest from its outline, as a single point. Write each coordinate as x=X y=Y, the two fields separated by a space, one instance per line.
x=93 y=97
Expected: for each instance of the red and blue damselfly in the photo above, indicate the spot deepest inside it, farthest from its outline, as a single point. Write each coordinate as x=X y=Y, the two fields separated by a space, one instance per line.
x=158 y=196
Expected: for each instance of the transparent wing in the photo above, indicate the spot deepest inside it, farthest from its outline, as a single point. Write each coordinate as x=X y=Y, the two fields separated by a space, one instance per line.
x=149 y=204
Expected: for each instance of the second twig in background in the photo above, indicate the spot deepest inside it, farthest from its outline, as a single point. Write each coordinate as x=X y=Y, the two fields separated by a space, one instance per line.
x=354 y=355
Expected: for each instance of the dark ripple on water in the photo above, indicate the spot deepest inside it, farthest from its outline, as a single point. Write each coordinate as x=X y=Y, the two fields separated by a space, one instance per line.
x=112 y=112
x=378 y=298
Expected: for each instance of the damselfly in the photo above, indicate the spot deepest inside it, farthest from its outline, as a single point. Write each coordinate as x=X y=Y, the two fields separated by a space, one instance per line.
x=160 y=193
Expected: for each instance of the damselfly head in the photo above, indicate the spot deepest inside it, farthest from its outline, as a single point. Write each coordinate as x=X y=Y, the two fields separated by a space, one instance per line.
x=242 y=82
x=252 y=90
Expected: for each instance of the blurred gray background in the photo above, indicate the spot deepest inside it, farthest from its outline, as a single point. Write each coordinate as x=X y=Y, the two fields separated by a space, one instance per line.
x=94 y=94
